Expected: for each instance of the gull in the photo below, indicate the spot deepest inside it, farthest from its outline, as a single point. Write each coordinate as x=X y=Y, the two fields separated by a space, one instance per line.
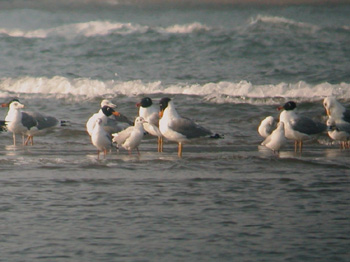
x=149 y=112
x=266 y=126
x=337 y=112
x=131 y=137
x=100 y=138
x=298 y=128
x=112 y=120
x=277 y=139
x=337 y=133
x=3 y=122
x=176 y=128
x=27 y=123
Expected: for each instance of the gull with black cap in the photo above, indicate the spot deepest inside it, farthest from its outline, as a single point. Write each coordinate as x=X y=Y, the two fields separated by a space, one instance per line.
x=150 y=113
x=179 y=129
x=112 y=121
x=297 y=127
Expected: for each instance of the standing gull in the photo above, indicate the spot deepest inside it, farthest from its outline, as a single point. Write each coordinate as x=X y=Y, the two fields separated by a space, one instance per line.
x=336 y=110
x=90 y=124
x=298 y=128
x=3 y=122
x=337 y=133
x=338 y=113
x=267 y=125
x=149 y=112
x=100 y=138
x=27 y=123
x=277 y=139
x=131 y=137
x=112 y=121
x=176 y=128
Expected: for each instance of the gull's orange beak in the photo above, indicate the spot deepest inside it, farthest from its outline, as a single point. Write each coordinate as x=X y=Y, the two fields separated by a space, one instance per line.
x=138 y=104
x=115 y=113
x=161 y=113
x=328 y=112
x=280 y=108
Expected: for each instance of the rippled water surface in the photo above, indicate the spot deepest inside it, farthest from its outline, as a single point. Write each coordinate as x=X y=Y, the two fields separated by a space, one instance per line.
x=226 y=199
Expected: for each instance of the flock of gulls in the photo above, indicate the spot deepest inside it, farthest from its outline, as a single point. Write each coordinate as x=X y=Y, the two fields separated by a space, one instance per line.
x=109 y=128
x=299 y=128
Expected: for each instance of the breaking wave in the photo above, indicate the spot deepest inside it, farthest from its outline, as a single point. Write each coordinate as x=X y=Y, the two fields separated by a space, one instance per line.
x=105 y=28
x=102 y=28
x=221 y=92
x=276 y=20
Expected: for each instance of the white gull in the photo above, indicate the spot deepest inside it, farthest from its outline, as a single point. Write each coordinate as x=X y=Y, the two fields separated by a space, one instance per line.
x=267 y=125
x=27 y=123
x=277 y=139
x=176 y=128
x=149 y=112
x=299 y=128
x=100 y=138
x=131 y=137
x=112 y=121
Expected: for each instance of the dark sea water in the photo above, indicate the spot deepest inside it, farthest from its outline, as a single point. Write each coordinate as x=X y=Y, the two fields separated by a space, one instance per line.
x=227 y=67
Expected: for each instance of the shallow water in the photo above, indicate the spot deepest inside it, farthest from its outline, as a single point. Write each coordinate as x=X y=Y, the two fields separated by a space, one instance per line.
x=125 y=210
x=226 y=199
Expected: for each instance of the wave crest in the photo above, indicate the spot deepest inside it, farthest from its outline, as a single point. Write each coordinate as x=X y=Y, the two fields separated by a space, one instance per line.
x=281 y=21
x=186 y=29
x=102 y=28
x=221 y=92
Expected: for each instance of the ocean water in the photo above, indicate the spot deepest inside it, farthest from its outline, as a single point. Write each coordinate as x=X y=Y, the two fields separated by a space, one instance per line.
x=227 y=67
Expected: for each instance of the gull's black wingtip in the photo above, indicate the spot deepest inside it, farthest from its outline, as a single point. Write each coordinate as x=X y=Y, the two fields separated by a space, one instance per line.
x=217 y=136
x=65 y=123
x=3 y=125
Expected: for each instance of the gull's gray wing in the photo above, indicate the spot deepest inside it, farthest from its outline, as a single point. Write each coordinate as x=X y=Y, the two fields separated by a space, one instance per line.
x=189 y=128
x=28 y=120
x=41 y=120
x=308 y=126
x=346 y=116
x=116 y=124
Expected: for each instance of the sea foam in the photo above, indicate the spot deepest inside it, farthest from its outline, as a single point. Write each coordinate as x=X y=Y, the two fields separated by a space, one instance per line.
x=283 y=22
x=278 y=20
x=87 y=29
x=185 y=29
x=220 y=92
x=102 y=28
